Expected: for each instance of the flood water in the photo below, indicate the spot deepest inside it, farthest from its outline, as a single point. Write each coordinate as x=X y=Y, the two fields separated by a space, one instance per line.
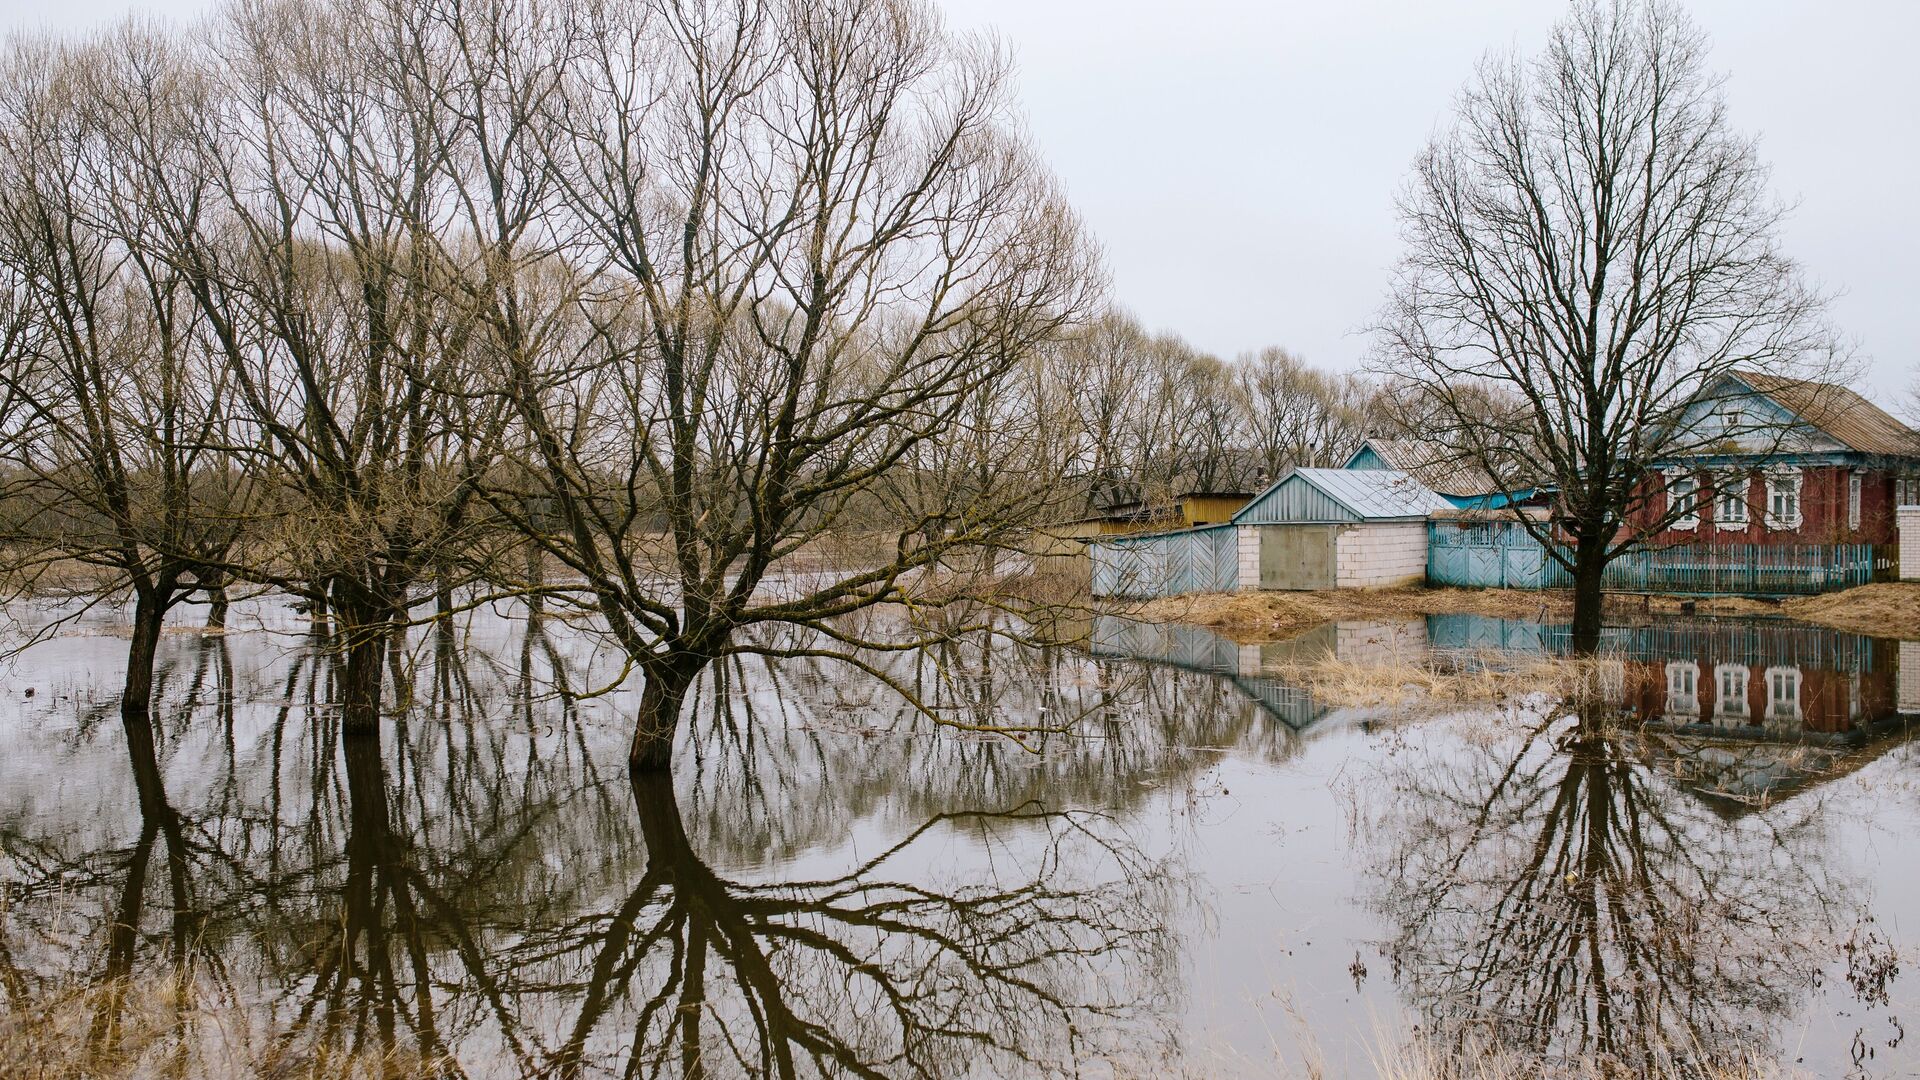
x=1200 y=871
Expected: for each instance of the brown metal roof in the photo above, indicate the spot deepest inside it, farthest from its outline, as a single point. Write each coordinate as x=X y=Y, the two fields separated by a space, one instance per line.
x=1836 y=410
x=1435 y=466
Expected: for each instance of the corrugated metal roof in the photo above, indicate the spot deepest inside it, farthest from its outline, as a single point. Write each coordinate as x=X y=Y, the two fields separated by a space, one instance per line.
x=1432 y=464
x=1377 y=493
x=1293 y=500
x=1357 y=494
x=1838 y=411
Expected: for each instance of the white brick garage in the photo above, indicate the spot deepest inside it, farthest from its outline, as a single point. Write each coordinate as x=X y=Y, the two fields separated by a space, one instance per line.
x=1377 y=555
x=1349 y=529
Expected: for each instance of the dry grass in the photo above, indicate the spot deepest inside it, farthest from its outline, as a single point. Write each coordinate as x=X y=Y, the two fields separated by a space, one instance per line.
x=1455 y=680
x=1889 y=609
x=1270 y=616
x=1390 y=1052
x=1420 y=1060
x=168 y=1027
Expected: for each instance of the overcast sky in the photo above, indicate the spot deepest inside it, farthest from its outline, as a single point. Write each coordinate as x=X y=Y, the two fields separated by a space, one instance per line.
x=1238 y=159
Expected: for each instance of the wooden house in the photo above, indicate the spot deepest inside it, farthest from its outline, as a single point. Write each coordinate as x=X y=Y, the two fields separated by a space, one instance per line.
x=1802 y=463
x=1187 y=510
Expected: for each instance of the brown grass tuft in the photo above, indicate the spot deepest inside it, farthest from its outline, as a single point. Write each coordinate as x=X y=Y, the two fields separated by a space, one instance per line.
x=1250 y=617
x=169 y=1026
x=1887 y=609
x=1455 y=681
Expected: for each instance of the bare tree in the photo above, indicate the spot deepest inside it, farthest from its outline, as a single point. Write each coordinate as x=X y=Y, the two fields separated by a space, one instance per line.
x=817 y=243
x=115 y=446
x=1299 y=415
x=1595 y=244
x=1151 y=414
x=317 y=259
x=1098 y=369
x=1208 y=400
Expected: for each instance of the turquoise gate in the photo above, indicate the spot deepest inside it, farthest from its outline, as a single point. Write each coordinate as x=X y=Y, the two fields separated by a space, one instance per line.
x=1487 y=555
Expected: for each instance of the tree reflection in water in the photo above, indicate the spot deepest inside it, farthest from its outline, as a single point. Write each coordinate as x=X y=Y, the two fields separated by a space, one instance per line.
x=472 y=896
x=865 y=972
x=1554 y=898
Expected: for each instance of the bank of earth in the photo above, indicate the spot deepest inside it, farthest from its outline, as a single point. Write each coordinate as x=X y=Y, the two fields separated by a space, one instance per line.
x=1888 y=609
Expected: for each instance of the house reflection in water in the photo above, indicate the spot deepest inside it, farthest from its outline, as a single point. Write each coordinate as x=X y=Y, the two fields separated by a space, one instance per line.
x=1739 y=710
x=1756 y=678
x=1248 y=667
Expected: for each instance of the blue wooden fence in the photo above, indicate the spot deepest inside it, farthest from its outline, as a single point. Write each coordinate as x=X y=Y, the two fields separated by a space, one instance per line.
x=1503 y=555
x=1205 y=559
x=1749 y=569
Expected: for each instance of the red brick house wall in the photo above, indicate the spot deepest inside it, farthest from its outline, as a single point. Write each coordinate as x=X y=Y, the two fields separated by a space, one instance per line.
x=1824 y=514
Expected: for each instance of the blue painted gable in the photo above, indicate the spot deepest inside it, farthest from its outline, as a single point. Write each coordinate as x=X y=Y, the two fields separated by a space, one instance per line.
x=1366 y=458
x=1732 y=406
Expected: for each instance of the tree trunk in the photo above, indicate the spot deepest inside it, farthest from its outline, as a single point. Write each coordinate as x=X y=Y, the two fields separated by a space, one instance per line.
x=1589 y=596
x=217 y=609
x=361 y=681
x=659 y=715
x=136 y=700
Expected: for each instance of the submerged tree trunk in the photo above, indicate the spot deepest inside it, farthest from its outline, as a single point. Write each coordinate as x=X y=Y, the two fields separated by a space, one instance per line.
x=136 y=699
x=658 y=718
x=706 y=901
x=361 y=680
x=215 y=586
x=123 y=938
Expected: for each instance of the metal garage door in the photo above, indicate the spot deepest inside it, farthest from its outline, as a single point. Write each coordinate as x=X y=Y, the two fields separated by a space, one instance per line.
x=1297 y=556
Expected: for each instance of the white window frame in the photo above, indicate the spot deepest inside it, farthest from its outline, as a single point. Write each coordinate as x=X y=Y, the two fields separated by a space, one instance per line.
x=1784 y=482
x=1691 y=519
x=1780 y=704
x=1732 y=488
x=1683 y=688
x=1737 y=677
x=1855 y=482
